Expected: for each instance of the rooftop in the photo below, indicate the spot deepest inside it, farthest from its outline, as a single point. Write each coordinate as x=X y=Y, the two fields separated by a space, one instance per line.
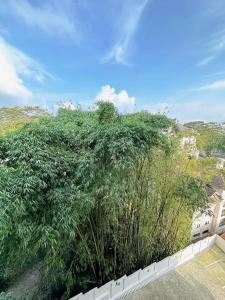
x=223 y=236
x=218 y=182
x=201 y=278
x=183 y=128
x=209 y=190
x=195 y=273
x=218 y=155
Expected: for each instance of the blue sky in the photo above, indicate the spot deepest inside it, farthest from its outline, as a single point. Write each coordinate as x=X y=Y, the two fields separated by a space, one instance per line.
x=140 y=54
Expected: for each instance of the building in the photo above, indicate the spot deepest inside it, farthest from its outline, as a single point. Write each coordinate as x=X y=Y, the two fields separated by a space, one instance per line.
x=221 y=159
x=223 y=235
x=196 y=272
x=182 y=128
x=188 y=145
x=220 y=163
x=213 y=220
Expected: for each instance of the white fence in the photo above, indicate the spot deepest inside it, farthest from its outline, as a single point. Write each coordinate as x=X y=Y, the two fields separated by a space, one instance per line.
x=125 y=285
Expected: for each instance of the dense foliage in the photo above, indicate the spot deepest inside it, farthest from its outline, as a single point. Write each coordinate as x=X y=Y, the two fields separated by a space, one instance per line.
x=92 y=196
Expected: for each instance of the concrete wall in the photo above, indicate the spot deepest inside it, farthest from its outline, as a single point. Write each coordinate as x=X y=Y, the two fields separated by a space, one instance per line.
x=202 y=223
x=120 y=288
x=220 y=243
x=199 y=222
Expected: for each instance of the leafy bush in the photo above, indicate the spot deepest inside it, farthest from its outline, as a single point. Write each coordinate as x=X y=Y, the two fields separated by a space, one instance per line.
x=88 y=193
x=6 y=296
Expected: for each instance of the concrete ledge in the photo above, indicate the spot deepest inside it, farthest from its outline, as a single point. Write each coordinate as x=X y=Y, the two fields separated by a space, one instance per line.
x=127 y=284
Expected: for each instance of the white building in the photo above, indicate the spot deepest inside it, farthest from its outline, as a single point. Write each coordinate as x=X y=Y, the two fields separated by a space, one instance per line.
x=213 y=220
x=188 y=145
x=67 y=105
x=220 y=163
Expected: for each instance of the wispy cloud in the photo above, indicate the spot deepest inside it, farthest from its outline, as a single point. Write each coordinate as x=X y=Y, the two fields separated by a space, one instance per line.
x=212 y=86
x=220 y=73
x=121 y=100
x=214 y=44
x=15 y=66
x=44 y=15
x=206 y=61
x=133 y=12
x=217 y=85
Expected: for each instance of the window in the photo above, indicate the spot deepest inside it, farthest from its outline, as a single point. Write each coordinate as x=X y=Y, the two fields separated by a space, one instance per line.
x=223 y=213
x=222 y=223
x=196 y=235
x=205 y=231
x=198 y=226
x=207 y=222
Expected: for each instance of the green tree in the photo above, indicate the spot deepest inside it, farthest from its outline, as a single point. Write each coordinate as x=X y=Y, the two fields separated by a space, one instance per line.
x=107 y=113
x=88 y=193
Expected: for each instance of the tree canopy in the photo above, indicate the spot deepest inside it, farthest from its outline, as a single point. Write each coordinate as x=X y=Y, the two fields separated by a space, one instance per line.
x=91 y=195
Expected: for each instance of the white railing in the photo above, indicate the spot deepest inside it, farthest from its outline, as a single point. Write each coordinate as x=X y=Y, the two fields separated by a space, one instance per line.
x=125 y=285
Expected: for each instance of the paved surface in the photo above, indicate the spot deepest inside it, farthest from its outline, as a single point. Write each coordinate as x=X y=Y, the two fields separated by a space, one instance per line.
x=27 y=285
x=203 y=278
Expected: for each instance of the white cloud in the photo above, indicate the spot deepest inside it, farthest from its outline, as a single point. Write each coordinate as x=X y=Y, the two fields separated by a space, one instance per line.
x=46 y=17
x=213 y=86
x=15 y=66
x=215 y=41
x=217 y=85
x=127 y=30
x=121 y=100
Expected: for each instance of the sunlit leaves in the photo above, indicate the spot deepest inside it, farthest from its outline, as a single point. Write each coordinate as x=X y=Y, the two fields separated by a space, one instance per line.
x=73 y=188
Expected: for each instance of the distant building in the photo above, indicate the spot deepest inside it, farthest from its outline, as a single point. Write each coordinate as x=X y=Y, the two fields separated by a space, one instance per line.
x=182 y=128
x=188 y=145
x=213 y=220
x=218 y=155
x=67 y=105
x=220 y=163
x=221 y=159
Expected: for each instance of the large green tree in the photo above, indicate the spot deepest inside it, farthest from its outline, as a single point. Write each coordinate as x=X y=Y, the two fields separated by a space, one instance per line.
x=91 y=196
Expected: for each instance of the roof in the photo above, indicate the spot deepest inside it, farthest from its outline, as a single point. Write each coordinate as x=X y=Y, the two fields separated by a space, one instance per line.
x=182 y=127
x=209 y=190
x=202 y=278
x=218 y=155
x=223 y=236
x=217 y=182
x=196 y=272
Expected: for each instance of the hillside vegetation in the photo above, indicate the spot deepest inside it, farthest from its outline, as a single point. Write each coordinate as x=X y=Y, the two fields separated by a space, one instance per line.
x=210 y=136
x=14 y=118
